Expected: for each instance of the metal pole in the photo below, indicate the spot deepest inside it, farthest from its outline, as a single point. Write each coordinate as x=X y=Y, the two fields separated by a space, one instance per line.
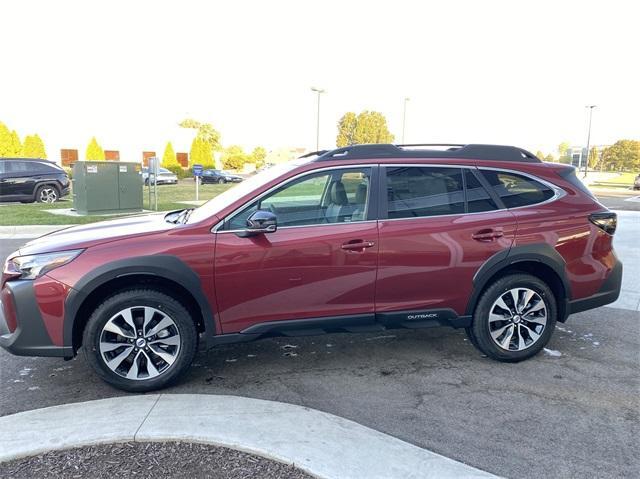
x=197 y=185
x=404 y=117
x=586 y=163
x=319 y=91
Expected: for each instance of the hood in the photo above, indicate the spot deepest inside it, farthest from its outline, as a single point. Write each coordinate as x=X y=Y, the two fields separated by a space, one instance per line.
x=83 y=236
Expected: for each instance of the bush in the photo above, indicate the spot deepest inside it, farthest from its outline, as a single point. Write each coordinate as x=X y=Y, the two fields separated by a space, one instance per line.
x=69 y=171
x=178 y=171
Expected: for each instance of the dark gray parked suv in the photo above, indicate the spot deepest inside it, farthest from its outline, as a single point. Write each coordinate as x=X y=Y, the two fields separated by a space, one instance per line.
x=29 y=180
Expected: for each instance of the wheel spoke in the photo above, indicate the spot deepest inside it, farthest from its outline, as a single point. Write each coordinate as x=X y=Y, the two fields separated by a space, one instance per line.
x=133 y=372
x=501 y=304
x=149 y=313
x=106 y=347
x=515 y=293
x=493 y=317
x=532 y=334
x=170 y=341
x=116 y=361
x=536 y=307
x=114 y=328
x=128 y=318
x=506 y=341
x=527 y=298
x=164 y=323
x=167 y=357
x=498 y=332
x=521 y=344
x=151 y=368
x=541 y=320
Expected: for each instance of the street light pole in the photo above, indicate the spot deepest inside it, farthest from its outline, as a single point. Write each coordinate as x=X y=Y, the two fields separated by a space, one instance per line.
x=404 y=116
x=586 y=163
x=319 y=91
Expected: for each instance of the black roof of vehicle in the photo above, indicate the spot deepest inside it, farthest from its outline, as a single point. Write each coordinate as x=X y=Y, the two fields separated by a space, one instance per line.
x=428 y=150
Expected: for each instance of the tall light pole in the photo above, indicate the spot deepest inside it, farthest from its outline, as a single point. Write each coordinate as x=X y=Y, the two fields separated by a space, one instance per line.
x=319 y=91
x=404 y=116
x=586 y=163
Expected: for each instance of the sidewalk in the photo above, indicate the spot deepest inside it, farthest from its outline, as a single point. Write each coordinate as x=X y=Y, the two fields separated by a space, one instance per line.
x=28 y=231
x=321 y=444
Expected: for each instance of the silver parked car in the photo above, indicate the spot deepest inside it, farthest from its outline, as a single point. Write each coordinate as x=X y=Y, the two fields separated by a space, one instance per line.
x=165 y=177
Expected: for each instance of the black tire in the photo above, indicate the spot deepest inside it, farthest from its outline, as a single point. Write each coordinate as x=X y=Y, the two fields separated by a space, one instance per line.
x=480 y=334
x=188 y=338
x=221 y=181
x=50 y=192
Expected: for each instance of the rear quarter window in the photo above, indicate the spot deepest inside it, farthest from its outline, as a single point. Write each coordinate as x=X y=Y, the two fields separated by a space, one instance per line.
x=517 y=190
x=569 y=174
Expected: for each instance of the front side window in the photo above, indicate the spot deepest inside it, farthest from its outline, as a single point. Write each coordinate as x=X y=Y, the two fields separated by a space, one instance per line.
x=335 y=196
x=517 y=190
x=424 y=191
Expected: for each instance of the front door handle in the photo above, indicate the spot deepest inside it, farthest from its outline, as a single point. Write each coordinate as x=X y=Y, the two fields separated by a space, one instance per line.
x=489 y=234
x=357 y=245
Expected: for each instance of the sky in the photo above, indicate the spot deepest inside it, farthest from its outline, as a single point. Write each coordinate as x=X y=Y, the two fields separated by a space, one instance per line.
x=508 y=72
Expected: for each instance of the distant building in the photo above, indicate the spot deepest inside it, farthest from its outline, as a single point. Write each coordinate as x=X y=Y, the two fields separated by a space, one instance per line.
x=578 y=154
x=112 y=155
x=145 y=157
x=68 y=156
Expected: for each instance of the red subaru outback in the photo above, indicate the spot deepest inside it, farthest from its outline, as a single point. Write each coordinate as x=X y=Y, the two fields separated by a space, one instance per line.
x=363 y=238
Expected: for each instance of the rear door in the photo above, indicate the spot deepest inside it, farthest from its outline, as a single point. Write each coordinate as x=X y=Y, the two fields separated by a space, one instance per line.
x=438 y=226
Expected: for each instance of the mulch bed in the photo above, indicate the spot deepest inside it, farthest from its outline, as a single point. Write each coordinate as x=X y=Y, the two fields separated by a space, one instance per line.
x=146 y=460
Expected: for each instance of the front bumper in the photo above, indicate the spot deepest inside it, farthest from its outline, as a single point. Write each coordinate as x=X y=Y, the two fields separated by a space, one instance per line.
x=608 y=293
x=30 y=338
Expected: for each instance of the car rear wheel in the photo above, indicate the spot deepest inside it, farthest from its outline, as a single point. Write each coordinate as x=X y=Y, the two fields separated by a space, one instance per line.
x=221 y=181
x=47 y=194
x=514 y=318
x=140 y=340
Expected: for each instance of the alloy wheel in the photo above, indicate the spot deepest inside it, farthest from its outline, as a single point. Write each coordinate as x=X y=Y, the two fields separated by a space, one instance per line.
x=517 y=319
x=139 y=343
x=48 y=195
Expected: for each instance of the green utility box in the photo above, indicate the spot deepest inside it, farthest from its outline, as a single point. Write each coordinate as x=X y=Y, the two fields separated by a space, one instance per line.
x=107 y=187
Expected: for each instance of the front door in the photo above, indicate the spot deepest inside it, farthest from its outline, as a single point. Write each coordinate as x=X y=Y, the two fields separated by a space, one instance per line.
x=320 y=263
x=441 y=225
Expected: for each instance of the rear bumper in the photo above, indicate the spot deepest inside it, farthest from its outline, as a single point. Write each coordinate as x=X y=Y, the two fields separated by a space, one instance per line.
x=609 y=292
x=30 y=337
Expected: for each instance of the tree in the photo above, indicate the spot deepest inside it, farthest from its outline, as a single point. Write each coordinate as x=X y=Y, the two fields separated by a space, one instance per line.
x=549 y=158
x=258 y=155
x=622 y=155
x=234 y=158
x=539 y=154
x=169 y=158
x=346 y=130
x=5 y=140
x=594 y=157
x=201 y=153
x=367 y=127
x=205 y=131
x=33 y=147
x=563 y=152
x=94 y=151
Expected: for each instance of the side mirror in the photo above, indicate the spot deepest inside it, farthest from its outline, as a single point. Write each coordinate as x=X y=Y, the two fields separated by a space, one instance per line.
x=258 y=223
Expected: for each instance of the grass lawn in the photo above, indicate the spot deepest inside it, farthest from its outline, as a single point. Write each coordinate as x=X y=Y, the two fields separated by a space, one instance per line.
x=624 y=180
x=12 y=214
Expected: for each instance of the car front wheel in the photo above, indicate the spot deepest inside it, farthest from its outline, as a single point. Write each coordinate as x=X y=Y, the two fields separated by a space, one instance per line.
x=140 y=340
x=221 y=181
x=514 y=318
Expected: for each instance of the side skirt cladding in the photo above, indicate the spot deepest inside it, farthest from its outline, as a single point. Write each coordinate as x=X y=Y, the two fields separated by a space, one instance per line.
x=160 y=267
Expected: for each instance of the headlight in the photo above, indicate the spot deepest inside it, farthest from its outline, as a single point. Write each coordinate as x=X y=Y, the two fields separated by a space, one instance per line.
x=35 y=265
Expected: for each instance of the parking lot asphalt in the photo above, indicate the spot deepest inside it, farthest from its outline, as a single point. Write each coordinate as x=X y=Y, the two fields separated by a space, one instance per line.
x=572 y=411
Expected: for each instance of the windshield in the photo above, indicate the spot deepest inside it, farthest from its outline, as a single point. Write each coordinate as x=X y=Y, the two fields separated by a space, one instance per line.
x=234 y=193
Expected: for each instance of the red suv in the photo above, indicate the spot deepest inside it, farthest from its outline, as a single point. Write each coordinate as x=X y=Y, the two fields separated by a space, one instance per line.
x=363 y=238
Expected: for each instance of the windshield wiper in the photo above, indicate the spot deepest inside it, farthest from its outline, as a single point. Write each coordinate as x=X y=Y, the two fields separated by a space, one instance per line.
x=181 y=216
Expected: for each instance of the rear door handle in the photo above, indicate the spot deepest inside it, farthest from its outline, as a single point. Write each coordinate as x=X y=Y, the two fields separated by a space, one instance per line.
x=488 y=234
x=357 y=245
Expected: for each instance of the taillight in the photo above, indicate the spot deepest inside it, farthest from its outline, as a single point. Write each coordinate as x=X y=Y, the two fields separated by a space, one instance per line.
x=607 y=221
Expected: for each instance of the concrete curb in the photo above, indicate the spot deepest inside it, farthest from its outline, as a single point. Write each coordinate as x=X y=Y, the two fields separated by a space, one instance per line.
x=28 y=231
x=321 y=444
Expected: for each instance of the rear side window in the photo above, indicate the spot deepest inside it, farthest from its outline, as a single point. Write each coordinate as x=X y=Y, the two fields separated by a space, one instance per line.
x=517 y=190
x=29 y=167
x=424 y=191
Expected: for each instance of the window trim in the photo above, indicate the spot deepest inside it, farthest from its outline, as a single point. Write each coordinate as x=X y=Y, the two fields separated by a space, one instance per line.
x=373 y=199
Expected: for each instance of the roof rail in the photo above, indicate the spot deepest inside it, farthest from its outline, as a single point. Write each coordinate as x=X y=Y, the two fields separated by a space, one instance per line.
x=426 y=150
